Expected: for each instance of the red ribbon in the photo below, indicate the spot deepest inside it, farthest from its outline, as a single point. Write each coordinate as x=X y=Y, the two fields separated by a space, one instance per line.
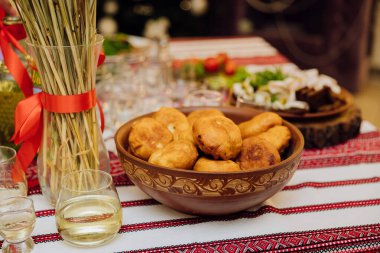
x=29 y=120
x=102 y=58
x=11 y=59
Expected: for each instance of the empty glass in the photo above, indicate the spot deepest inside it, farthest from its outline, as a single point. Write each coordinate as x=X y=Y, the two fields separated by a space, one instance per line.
x=204 y=98
x=17 y=219
x=121 y=91
x=158 y=71
x=88 y=210
x=12 y=177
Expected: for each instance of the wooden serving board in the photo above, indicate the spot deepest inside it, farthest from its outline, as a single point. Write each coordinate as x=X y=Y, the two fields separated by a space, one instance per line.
x=329 y=131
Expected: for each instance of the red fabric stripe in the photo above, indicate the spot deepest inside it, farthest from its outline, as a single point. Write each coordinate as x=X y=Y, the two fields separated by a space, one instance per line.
x=363 y=149
x=369 y=245
x=329 y=244
x=338 y=161
x=280 y=241
x=369 y=142
x=261 y=60
x=332 y=184
x=187 y=39
x=144 y=202
x=250 y=214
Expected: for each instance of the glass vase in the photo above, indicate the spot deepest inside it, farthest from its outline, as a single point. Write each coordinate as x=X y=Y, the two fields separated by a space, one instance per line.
x=70 y=141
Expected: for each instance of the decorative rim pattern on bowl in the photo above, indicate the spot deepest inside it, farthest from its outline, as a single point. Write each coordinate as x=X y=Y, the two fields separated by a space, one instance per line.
x=215 y=185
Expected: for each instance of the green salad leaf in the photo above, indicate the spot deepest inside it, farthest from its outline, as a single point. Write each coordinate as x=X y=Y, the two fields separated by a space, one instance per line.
x=240 y=75
x=116 y=44
x=262 y=78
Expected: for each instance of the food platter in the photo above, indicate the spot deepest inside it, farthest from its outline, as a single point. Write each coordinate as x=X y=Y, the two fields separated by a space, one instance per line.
x=345 y=95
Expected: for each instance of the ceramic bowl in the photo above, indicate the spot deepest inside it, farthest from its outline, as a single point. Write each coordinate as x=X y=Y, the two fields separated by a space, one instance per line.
x=206 y=193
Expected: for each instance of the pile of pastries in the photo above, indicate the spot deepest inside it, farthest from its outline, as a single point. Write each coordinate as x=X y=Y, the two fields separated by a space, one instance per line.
x=206 y=140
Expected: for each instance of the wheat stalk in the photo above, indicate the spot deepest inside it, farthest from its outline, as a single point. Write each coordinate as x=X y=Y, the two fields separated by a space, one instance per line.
x=62 y=34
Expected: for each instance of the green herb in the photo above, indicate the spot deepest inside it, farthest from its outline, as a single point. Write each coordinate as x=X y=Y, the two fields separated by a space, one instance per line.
x=200 y=70
x=273 y=98
x=262 y=78
x=116 y=44
x=240 y=75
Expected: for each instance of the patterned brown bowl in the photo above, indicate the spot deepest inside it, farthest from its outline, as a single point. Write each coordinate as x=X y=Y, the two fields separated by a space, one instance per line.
x=206 y=193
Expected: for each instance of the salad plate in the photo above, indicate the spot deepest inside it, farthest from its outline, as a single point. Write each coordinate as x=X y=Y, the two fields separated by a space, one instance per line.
x=289 y=91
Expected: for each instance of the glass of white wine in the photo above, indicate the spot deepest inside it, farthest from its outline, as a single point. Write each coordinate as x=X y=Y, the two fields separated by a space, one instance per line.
x=88 y=209
x=12 y=178
x=17 y=219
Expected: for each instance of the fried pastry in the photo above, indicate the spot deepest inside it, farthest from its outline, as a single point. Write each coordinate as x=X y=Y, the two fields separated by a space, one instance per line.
x=193 y=116
x=176 y=122
x=279 y=136
x=257 y=153
x=259 y=124
x=217 y=136
x=146 y=136
x=179 y=154
x=204 y=164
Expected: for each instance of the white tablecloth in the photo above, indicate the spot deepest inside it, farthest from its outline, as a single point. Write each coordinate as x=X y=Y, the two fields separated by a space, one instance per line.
x=331 y=203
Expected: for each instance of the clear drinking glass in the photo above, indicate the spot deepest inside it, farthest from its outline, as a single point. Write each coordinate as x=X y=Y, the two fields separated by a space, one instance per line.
x=122 y=90
x=204 y=98
x=12 y=178
x=159 y=75
x=17 y=219
x=88 y=209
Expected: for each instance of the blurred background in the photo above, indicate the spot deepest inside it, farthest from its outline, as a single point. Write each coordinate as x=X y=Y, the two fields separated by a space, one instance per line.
x=340 y=37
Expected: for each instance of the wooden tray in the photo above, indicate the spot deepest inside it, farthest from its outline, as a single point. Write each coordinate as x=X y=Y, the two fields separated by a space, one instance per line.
x=328 y=128
x=328 y=131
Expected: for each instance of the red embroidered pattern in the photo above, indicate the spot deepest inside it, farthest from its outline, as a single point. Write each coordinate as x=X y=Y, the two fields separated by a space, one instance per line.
x=287 y=242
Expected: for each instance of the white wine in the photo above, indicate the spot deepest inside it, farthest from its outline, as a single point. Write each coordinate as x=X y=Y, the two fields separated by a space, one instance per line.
x=16 y=190
x=17 y=226
x=89 y=220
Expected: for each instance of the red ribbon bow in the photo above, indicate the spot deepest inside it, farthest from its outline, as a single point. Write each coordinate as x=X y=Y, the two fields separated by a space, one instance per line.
x=8 y=38
x=29 y=123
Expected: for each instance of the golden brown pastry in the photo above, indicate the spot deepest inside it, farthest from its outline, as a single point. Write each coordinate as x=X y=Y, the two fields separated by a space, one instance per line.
x=257 y=153
x=217 y=136
x=179 y=154
x=193 y=116
x=279 y=136
x=146 y=136
x=260 y=123
x=176 y=122
x=204 y=164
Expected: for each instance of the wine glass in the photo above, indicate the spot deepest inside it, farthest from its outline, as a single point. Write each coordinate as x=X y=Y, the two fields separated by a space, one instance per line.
x=17 y=219
x=88 y=209
x=12 y=177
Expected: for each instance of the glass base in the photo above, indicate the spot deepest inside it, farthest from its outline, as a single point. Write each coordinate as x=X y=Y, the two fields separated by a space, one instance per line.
x=22 y=247
x=89 y=244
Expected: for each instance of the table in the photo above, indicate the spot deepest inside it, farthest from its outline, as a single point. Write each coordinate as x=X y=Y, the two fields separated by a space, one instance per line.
x=332 y=204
